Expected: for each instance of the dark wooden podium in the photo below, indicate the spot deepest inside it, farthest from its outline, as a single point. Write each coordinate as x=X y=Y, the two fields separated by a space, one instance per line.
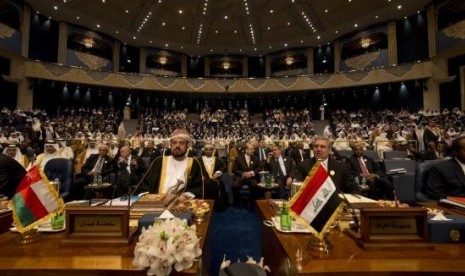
x=48 y=257
x=288 y=254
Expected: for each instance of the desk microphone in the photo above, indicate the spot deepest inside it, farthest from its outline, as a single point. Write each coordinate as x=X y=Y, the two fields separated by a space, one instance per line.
x=113 y=195
x=351 y=210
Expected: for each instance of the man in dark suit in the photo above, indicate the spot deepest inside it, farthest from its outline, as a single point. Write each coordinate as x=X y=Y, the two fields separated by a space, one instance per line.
x=299 y=154
x=447 y=178
x=338 y=171
x=212 y=169
x=282 y=168
x=150 y=151
x=246 y=169
x=261 y=153
x=11 y=173
x=100 y=163
x=129 y=171
x=365 y=167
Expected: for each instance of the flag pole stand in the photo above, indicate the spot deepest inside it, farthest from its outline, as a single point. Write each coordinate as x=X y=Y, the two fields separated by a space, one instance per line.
x=320 y=245
x=29 y=237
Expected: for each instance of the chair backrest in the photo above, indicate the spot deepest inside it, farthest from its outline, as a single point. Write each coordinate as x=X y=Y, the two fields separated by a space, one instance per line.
x=399 y=166
x=345 y=153
x=421 y=178
x=404 y=187
x=372 y=154
x=395 y=154
x=62 y=169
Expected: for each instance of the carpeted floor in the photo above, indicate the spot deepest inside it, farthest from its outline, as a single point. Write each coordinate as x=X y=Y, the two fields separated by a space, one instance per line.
x=236 y=233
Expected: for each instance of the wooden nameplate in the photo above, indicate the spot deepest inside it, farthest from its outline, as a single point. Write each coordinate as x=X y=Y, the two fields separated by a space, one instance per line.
x=393 y=229
x=99 y=225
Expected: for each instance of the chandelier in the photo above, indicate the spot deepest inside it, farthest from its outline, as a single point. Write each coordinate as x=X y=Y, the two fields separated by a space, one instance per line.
x=226 y=65
x=162 y=60
x=88 y=42
x=365 y=42
x=289 y=61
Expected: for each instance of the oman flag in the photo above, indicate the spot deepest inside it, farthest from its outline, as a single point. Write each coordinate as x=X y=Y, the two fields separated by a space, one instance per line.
x=35 y=200
x=317 y=202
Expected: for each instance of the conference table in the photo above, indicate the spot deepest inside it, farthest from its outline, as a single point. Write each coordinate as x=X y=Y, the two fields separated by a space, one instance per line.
x=289 y=254
x=48 y=257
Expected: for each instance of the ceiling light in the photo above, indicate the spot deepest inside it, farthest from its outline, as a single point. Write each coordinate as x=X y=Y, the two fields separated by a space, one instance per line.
x=288 y=23
x=127 y=11
x=289 y=60
x=226 y=65
x=98 y=25
x=88 y=42
x=365 y=42
x=355 y=25
x=399 y=7
x=180 y=11
x=271 y=11
x=162 y=60
x=55 y=7
x=326 y=10
x=226 y=17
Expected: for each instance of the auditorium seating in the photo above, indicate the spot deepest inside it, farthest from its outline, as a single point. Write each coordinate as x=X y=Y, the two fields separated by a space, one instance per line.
x=395 y=154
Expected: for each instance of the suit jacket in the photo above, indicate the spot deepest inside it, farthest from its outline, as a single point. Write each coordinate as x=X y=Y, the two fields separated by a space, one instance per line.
x=257 y=155
x=11 y=173
x=150 y=153
x=240 y=165
x=295 y=154
x=126 y=180
x=107 y=167
x=338 y=172
x=151 y=182
x=372 y=166
x=445 y=179
x=281 y=179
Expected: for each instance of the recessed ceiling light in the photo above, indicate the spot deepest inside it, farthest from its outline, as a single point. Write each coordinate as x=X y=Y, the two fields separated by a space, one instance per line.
x=166 y=44
x=183 y=28
x=163 y=23
x=301 y=41
x=336 y=31
x=55 y=7
x=235 y=31
x=216 y=31
x=399 y=7
x=98 y=25
x=288 y=23
x=318 y=37
x=127 y=11
x=77 y=17
x=134 y=37
x=226 y=17
x=285 y=44
x=326 y=10
x=376 y=17
x=355 y=25
x=271 y=11
x=117 y=31
x=269 y=28
x=180 y=11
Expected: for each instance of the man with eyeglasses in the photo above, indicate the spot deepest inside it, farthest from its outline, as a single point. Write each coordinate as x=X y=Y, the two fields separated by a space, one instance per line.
x=176 y=173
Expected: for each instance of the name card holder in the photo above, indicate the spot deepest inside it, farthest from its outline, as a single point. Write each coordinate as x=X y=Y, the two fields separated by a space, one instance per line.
x=394 y=228
x=97 y=225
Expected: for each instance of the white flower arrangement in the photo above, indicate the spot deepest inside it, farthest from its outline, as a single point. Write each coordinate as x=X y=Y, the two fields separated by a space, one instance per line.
x=164 y=244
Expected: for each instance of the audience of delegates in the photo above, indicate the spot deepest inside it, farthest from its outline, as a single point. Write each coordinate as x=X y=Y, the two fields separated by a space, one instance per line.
x=79 y=132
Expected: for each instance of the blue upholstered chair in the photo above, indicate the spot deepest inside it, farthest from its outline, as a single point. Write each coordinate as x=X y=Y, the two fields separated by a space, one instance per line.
x=62 y=169
x=395 y=154
x=421 y=178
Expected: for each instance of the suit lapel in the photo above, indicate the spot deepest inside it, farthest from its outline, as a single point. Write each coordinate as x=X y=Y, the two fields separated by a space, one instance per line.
x=459 y=172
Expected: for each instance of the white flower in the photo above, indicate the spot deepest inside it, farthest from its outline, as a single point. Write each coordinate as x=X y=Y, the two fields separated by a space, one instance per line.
x=164 y=244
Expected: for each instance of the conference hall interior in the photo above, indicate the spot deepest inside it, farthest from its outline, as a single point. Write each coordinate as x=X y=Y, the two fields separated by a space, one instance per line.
x=262 y=81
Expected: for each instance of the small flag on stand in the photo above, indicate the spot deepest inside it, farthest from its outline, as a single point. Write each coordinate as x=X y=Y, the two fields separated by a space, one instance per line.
x=317 y=202
x=35 y=201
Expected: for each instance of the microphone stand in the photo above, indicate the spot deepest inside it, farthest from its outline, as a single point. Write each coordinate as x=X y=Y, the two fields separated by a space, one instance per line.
x=350 y=209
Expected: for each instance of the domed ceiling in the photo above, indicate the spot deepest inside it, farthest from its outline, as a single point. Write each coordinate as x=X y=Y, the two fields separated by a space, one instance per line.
x=249 y=27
